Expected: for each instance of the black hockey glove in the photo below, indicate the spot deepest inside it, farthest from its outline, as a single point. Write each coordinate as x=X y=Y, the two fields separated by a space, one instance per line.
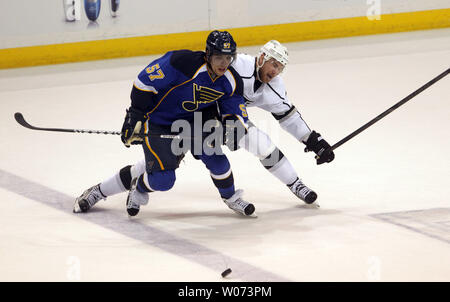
x=132 y=127
x=320 y=146
x=233 y=131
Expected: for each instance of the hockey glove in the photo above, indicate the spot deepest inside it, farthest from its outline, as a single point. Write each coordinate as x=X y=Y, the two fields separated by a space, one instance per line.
x=233 y=131
x=320 y=146
x=132 y=127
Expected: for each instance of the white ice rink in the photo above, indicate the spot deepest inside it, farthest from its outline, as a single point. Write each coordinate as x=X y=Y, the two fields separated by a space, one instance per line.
x=385 y=199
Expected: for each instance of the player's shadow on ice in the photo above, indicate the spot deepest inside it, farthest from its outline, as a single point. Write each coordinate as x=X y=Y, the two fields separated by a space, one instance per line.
x=219 y=228
x=231 y=225
x=294 y=212
x=295 y=217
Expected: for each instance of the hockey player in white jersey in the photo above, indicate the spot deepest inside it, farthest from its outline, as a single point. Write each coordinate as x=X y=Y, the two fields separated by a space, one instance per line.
x=264 y=88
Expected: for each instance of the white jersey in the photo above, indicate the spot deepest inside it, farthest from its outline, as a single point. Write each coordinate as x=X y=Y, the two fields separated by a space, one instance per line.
x=271 y=97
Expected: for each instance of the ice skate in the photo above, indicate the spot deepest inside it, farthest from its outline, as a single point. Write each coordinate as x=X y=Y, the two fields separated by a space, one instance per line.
x=237 y=204
x=88 y=199
x=114 y=7
x=304 y=193
x=135 y=199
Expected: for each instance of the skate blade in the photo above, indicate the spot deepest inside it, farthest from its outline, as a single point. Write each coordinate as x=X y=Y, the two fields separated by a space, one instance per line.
x=254 y=215
x=313 y=205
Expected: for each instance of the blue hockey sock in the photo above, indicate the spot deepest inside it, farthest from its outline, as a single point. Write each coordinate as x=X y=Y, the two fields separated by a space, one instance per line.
x=221 y=173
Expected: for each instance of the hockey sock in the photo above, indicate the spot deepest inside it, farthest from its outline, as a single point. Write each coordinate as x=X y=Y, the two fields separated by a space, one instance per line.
x=119 y=182
x=221 y=174
x=280 y=167
x=225 y=184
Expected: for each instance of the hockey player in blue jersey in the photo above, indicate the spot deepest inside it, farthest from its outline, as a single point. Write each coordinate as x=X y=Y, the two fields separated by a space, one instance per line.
x=170 y=89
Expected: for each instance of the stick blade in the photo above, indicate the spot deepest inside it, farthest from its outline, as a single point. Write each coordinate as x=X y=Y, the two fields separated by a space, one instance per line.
x=21 y=120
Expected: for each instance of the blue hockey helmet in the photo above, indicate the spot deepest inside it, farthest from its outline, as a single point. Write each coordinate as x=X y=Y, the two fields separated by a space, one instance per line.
x=220 y=42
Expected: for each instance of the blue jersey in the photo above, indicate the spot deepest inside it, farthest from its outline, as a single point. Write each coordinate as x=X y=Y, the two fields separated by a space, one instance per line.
x=178 y=84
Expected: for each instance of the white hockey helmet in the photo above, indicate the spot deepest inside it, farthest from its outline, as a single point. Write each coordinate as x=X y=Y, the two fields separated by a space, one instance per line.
x=274 y=49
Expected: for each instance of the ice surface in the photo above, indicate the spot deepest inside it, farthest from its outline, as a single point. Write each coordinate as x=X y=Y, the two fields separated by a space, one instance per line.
x=385 y=204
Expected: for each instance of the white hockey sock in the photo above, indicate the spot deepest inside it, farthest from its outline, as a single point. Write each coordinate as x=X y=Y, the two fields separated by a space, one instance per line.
x=114 y=184
x=284 y=171
x=138 y=169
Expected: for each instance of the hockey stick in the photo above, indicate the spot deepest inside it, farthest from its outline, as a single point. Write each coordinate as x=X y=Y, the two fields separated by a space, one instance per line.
x=21 y=120
x=388 y=111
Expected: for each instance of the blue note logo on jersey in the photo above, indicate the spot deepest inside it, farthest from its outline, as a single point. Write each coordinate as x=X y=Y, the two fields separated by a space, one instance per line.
x=201 y=95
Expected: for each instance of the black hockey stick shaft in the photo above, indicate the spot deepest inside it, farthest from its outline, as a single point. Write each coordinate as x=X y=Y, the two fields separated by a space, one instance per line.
x=21 y=120
x=388 y=111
